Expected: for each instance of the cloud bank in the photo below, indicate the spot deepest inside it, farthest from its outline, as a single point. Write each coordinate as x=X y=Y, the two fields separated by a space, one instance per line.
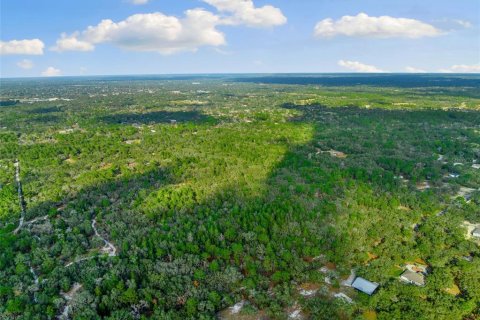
x=414 y=70
x=363 y=25
x=25 y=47
x=358 y=66
x=166 y=34
x=245 y=12
x=462 y=68
x=72 y=43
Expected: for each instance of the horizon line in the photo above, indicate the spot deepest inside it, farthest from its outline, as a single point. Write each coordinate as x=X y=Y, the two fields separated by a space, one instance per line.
x=241 y=73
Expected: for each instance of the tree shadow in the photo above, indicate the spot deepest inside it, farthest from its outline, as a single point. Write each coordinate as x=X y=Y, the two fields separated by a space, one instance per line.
x=20 y=118
x=45 y=119
x=44 y=110
x=8 y=103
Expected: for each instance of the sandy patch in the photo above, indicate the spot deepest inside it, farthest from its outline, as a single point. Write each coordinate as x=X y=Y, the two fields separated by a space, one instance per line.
x=308 y=289
x=470 y=227
x=135 y=141
x=453 y=290
x=423 y=185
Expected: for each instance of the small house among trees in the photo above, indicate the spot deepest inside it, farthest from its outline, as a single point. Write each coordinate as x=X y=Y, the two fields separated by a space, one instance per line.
x=417 y=266
x=415 y=278
x=364 y=285
x=476 y=233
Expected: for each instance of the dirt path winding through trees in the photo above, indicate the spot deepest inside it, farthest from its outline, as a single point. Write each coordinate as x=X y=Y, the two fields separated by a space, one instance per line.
x=36 y=220
x=21 y=199
x=35 y=276
x=36 y=281
x=78 y=260
x=68 y=296
x=109 y=248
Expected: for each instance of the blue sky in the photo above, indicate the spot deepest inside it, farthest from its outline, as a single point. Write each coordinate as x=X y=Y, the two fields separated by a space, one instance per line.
x=225 y=36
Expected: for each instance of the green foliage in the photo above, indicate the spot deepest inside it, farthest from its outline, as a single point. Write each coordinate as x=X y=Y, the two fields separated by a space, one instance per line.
x=243 y=197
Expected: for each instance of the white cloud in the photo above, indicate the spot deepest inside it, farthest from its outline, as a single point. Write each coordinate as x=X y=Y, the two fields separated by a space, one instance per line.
x=154 y=32
x=139 y=2
x=25 y=64
x=358 y=66
x=462 y=68
x=27 y=47
x=363 y=25
x=464 y=23
x=71 y=43
x=453 y=25
x=414 y=70
x=245 y=12
x=165 y=34
x=51 y=72
x=223 y=52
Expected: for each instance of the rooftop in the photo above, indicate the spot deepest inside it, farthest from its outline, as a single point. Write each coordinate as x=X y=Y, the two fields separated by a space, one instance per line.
x=413 y=277
x=364 y=285
x=476 y=232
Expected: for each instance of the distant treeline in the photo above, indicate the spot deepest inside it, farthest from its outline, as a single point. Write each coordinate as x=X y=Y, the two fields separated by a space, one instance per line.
x=385 y=80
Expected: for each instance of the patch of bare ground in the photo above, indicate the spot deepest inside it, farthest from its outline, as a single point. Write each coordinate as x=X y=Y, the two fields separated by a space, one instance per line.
x=308 y=289
x=470 y=227
x=134 y=141
x=333 y=153
x=237 y=312
x=70 y=160
x=464 y=192
x=68 y=296
x=424 y=185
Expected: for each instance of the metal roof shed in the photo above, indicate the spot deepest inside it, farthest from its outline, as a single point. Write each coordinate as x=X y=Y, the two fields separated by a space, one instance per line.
x=413 y=277
x=364 y=285
x=476 y=232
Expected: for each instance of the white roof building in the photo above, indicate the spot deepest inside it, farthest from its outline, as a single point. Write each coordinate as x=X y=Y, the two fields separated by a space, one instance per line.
x=415 y=278
x=476 y=232
x=364 y=285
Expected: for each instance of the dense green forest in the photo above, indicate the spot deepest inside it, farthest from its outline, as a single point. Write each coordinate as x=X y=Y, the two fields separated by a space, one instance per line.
x=239 y=197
